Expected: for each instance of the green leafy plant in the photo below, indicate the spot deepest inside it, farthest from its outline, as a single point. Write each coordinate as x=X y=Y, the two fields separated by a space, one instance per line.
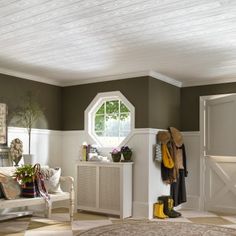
x=28 y=113
x=25 y=174
x=125 y=149
x=127 y=153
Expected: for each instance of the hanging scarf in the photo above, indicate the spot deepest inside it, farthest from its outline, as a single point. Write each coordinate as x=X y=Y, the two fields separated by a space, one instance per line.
x=166 y=157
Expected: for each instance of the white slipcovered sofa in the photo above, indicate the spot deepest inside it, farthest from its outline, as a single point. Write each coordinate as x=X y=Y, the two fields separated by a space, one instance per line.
x=25 y=202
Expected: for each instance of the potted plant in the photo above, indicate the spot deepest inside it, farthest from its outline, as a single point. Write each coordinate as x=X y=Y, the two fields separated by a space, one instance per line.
x=26 y=115
x=16 y=150
x=26 y=177
x=116 y=155
x=126 y=152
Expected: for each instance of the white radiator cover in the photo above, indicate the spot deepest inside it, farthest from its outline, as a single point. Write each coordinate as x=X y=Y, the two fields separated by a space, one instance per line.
x=105 y=188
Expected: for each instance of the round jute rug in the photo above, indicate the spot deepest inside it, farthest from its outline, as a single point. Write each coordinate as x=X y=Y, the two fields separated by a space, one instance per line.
x=151 y=228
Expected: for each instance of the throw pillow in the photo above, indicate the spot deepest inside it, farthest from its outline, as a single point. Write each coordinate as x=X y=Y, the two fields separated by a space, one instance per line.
x=1 y=192
x=52 y=178
x=10 y=187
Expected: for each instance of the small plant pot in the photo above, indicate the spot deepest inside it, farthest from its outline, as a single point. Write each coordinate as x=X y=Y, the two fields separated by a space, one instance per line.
x=29 y=159
x=116 y=157
x=127 y=156
x=29 y=190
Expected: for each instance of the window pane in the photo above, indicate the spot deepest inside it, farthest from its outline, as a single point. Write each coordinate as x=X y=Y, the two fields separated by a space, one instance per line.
x=101 y=110
x=124 y=133
x=125 y=123
x=112 y=107
x=123 y=108
x=99 y=122
x=99 y=133
x=112 y=125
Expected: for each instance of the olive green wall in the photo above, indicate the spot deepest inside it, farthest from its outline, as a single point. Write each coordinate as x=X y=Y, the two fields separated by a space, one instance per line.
x=164 y=104
x=77 y=98
x=190 y=102
x=156 y=103
x=12 y=90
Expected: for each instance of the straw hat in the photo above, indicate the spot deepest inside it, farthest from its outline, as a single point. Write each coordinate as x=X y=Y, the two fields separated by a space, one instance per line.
x=163 y=137
x=177 y=136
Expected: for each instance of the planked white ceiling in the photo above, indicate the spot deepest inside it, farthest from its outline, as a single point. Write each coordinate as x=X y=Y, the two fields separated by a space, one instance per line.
x=73 y=41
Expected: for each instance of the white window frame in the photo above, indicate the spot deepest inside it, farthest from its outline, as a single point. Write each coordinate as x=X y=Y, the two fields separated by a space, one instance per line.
x=91 y=110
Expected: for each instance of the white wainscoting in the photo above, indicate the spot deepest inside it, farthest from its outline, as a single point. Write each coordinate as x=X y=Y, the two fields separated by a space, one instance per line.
x=45 y=144
x=63 y=148
x=192 y=145
x=147 y=183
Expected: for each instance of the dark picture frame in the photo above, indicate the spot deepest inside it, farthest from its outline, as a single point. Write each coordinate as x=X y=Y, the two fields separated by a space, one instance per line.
x=3 y=124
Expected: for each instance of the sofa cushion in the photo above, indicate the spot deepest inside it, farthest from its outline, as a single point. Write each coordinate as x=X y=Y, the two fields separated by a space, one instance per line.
x=10 y=187
x=9 y=170
x=52 y=179
x=1 y=192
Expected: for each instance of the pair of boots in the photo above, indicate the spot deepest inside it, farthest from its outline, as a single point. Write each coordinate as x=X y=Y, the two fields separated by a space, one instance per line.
x=164 y=208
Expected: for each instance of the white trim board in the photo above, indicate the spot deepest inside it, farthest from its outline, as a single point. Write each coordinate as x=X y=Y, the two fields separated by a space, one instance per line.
x=22 y=75
x=45 y=80
x=150 y=73
x=207 y=82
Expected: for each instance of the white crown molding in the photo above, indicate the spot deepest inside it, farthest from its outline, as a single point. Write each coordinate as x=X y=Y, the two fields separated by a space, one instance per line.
x=106 y=78
x=150 y=73
x=153 y=74
x=29 y=77
x=165 y=78
x=208 y=82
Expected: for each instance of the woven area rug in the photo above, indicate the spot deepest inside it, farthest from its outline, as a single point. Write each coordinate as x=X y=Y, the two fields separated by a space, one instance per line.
x=151 y=228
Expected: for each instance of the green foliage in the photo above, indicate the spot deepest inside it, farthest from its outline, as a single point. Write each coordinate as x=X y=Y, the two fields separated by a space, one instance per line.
x=110 y=110
x=25 y=174
x=28 y=113
x=112 y=107
x=123 y=108
x=101 y=110
x=99 y=122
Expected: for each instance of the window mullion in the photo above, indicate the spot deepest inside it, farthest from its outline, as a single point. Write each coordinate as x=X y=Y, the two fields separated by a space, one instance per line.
x=111 y=136
x=105 y=117
x=119 y=120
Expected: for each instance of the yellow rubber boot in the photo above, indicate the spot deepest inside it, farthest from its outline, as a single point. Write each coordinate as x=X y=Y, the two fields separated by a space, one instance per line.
x=158 y=210
x=171 y=208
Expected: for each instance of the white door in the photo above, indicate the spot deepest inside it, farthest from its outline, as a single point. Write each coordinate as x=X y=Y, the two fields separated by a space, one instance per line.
x=220 y=154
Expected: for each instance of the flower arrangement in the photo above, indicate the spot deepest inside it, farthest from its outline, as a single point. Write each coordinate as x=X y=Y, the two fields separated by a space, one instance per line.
x=16 y=150
x=125 y=149
x=25 y=174
x=127 y=153
x=116 y=155
x=115 y=151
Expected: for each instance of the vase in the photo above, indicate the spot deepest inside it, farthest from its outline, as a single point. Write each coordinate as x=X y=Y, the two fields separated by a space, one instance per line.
x=16 y=160
x=29 y=190
x=29 y=159
x=127 y=156
x=116 y=157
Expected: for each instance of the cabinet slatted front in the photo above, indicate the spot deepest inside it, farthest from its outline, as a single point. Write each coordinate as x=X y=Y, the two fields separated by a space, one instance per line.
x=105 y=188
x=109 y=188
x=87 y=182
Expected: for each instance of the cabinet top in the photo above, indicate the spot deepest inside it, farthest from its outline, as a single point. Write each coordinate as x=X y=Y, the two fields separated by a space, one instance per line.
x=95 y=163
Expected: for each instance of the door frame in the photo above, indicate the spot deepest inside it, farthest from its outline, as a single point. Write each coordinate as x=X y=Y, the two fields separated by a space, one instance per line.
x=202 y=125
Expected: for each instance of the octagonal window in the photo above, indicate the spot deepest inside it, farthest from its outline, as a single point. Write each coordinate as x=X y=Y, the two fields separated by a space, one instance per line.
x=111 y=119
